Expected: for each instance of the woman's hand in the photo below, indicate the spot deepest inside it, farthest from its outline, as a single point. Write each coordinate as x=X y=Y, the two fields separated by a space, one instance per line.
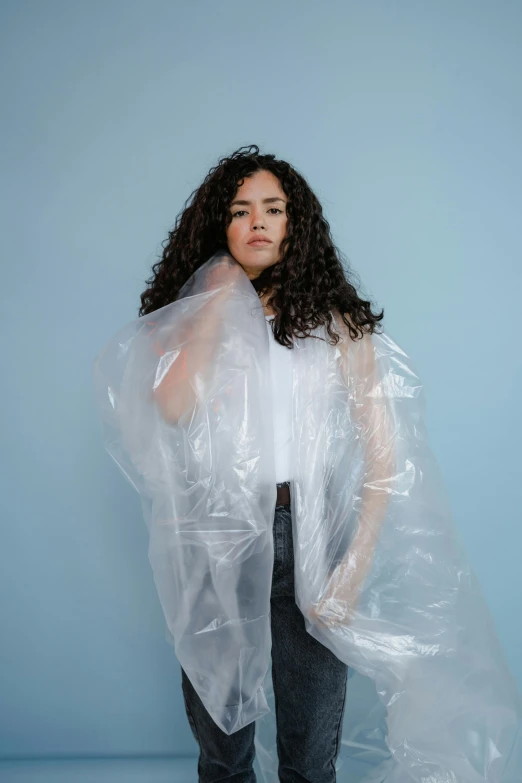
x=223 y=271
x=331 y=613
x=338 y=606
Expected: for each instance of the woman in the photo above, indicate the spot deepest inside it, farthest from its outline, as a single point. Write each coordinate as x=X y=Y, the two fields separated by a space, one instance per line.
x=267 y=216
x=297 y=518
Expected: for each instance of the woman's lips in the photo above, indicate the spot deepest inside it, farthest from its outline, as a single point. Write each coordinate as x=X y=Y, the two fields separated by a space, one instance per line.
x=260 y=243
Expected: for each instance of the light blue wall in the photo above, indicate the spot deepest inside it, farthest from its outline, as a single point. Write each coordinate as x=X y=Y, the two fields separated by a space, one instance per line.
x=405 y=117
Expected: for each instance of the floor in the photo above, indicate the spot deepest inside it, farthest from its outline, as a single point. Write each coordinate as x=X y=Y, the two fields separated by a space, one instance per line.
x=168 y=770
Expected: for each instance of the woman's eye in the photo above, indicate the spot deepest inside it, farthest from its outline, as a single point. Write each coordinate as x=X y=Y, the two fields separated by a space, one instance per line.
x=242 y=210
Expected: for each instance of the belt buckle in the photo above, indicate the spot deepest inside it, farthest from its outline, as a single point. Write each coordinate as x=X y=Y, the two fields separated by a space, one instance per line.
x=283 y=494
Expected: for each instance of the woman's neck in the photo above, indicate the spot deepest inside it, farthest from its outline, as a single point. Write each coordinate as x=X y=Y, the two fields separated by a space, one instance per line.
x=266 y=309
x=263 y=298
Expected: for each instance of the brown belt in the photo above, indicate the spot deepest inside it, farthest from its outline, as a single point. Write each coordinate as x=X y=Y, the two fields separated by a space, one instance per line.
x=283 y=494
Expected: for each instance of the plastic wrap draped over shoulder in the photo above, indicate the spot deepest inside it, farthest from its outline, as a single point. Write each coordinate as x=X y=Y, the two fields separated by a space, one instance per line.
x=381 y=577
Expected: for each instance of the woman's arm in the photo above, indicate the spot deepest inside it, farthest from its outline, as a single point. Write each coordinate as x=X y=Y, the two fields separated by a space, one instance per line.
x=183 y=365
x=372 y=420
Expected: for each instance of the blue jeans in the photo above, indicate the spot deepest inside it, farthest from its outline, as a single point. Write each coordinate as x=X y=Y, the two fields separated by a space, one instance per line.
x=309 y=692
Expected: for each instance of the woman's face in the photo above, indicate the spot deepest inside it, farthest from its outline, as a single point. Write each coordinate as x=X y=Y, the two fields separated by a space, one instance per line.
x=258 y=212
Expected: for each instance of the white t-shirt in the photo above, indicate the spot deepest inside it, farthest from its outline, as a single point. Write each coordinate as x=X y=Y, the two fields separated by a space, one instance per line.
x=281 y=373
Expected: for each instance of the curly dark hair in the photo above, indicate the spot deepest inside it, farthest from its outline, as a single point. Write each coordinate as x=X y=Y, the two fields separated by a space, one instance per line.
x=304 y=285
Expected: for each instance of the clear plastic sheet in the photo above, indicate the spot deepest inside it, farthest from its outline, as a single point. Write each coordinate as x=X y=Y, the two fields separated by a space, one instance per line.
x=381 y=576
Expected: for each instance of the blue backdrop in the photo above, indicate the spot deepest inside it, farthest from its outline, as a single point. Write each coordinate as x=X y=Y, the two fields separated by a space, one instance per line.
x=406 y=120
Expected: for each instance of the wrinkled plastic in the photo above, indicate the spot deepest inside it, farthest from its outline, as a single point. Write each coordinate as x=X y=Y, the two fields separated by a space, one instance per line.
x=381 y=577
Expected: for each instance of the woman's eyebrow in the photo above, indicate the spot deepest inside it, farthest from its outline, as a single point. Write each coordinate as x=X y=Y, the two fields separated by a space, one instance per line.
x=265 y=201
